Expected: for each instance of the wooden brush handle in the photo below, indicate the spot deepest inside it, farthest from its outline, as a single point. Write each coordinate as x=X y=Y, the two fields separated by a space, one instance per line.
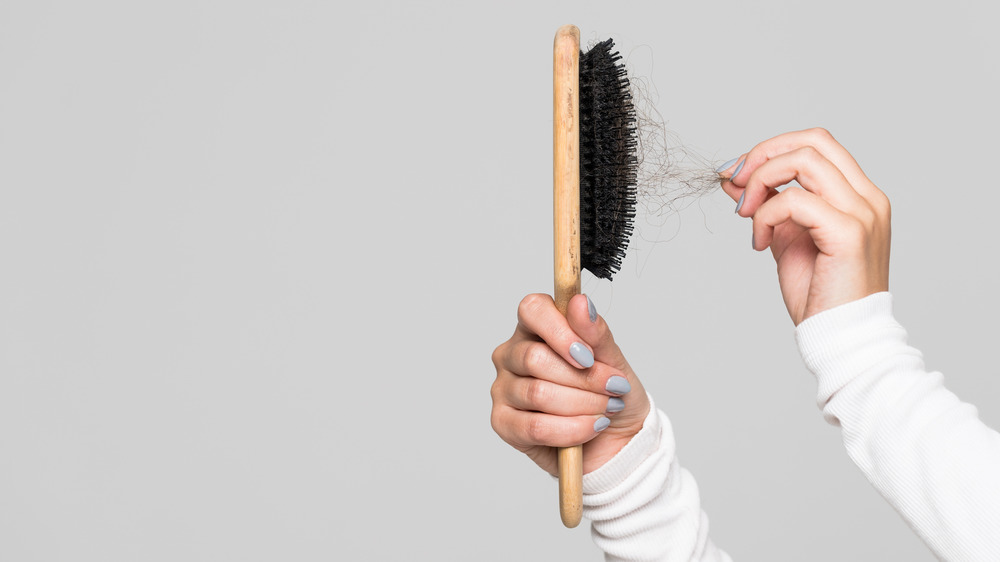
x=566 y=195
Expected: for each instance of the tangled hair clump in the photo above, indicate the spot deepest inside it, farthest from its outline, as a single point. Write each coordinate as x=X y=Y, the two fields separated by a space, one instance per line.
x=670 y=175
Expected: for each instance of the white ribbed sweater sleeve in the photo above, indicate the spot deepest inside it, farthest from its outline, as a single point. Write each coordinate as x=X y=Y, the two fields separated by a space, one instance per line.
x=922 y=448
x=644 y=506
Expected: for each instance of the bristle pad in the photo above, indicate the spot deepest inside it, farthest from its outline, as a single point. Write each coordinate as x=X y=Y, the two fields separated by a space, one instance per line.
x=608 y=160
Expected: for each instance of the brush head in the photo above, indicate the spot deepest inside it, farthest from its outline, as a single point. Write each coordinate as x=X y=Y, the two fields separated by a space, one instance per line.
x=608 y=160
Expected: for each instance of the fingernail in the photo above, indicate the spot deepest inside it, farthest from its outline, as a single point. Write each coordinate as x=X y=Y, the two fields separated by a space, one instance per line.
x=581 y=355
x=739 y=204
x=591 y=309
x=753 y=241
x=726 y=166
x=601 y=424
x=736 y=172
x=618 y=385
x=615 y=404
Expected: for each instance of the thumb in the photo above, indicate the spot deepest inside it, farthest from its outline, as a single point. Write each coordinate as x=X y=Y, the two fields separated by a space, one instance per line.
x=584 y=320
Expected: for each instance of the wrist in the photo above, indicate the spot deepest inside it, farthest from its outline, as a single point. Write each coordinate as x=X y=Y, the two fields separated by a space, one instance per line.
x=842 y=342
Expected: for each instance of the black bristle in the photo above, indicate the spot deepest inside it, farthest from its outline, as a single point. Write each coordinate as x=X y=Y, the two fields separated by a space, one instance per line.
x=608 y=160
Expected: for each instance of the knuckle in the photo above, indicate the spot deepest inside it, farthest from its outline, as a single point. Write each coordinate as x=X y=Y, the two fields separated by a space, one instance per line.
x=495 y=421
x=810 y=154
x=501 y=426
x=529 y=305
x=535 y=393
x=820 y=134
x=792 y=196
x=882 y=206
x=780 y=208
x=498 y=354
x=535 y=358
x=537 y=430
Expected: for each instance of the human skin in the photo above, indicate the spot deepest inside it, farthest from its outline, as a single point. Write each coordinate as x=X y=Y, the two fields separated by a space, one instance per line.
x=543 y=398
x=830 y=241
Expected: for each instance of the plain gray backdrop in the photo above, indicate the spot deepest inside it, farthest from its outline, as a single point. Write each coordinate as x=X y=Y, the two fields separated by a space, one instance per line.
x=254 y=257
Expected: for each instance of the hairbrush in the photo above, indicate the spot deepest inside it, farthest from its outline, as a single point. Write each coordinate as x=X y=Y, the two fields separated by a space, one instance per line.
x=595 y=167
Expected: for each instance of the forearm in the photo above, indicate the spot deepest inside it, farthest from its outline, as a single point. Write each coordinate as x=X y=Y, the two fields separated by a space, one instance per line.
x=644 y=505
x=922 y=448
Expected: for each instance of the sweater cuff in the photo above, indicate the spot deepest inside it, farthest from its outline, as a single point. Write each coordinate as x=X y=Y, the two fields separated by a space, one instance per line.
x=843 y=342
x=623 y=464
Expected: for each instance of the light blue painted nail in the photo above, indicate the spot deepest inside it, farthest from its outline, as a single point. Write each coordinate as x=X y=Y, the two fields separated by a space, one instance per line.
x=618 y=385
x=601 y=424
x=739 y=204
x=581 y=354
x=591 y=309
x=736 y=172
x=726 y=166
x=615 y=404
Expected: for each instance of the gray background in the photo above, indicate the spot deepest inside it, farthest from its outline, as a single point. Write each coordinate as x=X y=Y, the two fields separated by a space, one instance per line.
x=254 y=257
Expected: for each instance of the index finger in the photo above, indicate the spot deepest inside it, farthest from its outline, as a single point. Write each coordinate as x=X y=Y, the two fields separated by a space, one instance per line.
x=538 y=316
x=819 y=139
x=814 y=173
